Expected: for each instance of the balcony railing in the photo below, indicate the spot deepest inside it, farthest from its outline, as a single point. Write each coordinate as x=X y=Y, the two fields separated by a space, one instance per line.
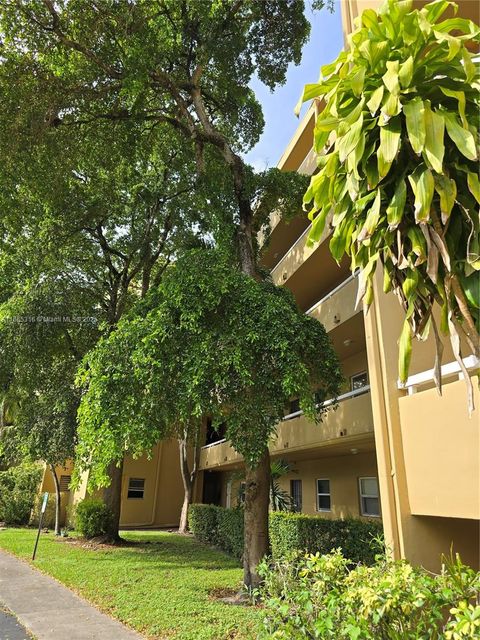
x=331 y=293
x=297 y=241
x=327 y=403
x=471 y=363
x=213 y=444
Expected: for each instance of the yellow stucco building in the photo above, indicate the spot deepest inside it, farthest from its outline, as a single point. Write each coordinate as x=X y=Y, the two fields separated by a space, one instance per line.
x=405 y=455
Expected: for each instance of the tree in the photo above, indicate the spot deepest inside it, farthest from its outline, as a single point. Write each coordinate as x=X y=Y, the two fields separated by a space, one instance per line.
x=140 y=65
x=43 y=334
x=401 y=175
x=211 y=341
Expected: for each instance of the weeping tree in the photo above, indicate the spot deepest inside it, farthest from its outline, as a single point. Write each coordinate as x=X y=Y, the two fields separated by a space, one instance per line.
x=398 y=149
x=210 y=341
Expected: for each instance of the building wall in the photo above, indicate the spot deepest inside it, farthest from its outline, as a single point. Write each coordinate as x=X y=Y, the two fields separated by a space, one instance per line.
x=343 y=473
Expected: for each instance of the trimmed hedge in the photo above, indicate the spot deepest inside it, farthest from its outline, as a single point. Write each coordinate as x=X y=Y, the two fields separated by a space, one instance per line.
x=288 y=532
x=218 y=526
x=300 y=532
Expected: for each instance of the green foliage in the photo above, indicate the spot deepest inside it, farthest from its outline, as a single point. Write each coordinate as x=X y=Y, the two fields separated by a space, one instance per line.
x=297 y=531
x=398 y=165
x=18 y=490
x=92 y=518
x=209 y=341
x=288 y=533
x=317 y=596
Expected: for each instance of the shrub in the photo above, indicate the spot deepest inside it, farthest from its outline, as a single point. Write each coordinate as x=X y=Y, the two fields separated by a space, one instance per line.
x=18 y=489
x=93 y=518
x=202 y=522
x=296 y=531
x=229 y=535
x=288 y=532
x=316 y=596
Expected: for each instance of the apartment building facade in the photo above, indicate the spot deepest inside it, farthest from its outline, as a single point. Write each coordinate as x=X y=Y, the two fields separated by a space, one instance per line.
x=403 y=455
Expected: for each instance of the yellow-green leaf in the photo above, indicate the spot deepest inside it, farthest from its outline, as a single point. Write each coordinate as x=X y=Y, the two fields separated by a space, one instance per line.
x=404 y=351
x=347 y=143
x=434 y=148
x=474 y=185
x=318 y=226
x=370 y=20
x=454 y=44
x=371 y=221
x=375 y=100
x=311 y=91
x=461 y=137
x=397 y=205
x=388 y=148
x=357 y=82
x=390 y=77
x=391 y=107
x=447 y=190
x=405 y=73
x=423 y=184
x=460 y=96
x=415 y=116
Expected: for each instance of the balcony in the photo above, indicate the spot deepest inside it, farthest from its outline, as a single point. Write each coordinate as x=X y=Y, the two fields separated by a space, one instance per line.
x=351 y=421
x=441 y=445
x=338 y=306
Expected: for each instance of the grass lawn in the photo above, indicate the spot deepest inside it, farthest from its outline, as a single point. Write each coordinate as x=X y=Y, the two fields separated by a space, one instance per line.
x=161 y=585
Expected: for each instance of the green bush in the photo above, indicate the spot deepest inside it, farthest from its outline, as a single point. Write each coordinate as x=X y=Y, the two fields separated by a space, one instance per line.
x=92 y=518
x=203 y=522
x=229 y=535
x=296 y=531
x=18 y=490
x=288 y=532
x=318 y=596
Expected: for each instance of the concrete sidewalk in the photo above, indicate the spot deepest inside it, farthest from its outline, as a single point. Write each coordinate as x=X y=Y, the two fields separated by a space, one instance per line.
x=50 y=611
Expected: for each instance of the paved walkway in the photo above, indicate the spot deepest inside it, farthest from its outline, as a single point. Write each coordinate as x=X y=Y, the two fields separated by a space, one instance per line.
x=50 y=611
x=10 y=629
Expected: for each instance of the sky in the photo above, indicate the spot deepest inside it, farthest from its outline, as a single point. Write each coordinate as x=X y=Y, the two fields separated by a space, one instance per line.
x=326 y=41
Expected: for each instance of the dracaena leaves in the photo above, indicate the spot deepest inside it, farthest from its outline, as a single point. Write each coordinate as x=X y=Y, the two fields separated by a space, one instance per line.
x=402 y=105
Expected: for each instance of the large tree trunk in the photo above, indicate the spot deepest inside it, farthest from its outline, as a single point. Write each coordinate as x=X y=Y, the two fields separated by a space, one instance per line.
x=188 y=478
x=112 y=496
x=58 y=500
x=257 y=494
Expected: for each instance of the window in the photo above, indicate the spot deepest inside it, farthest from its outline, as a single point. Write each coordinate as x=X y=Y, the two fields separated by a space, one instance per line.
x=294 y=406
x=296 y=494
x=136 y=488
x=359 y=380
x=369 y=500
x=324 y=500
x=65 y=483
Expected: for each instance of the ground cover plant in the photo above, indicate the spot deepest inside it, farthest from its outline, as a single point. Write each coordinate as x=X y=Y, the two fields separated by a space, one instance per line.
x=316 y=596
x=164 y=585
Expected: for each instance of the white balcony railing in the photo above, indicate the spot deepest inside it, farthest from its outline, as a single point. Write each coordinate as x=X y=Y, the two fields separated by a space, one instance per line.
x=471 y=363
x=327 y=403
x=213 y=444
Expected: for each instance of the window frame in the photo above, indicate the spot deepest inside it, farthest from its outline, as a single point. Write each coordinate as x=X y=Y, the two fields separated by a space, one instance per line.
x=297 y=507
x=357 y=375
x=365 y=495
x=136 y=489
x=318 y=494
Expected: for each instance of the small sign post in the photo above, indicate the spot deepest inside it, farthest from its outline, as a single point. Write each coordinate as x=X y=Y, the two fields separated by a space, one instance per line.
x=40 y=521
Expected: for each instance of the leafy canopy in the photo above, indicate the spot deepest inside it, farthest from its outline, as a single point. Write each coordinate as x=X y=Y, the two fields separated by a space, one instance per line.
x=209 y=341
x=398 y=149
